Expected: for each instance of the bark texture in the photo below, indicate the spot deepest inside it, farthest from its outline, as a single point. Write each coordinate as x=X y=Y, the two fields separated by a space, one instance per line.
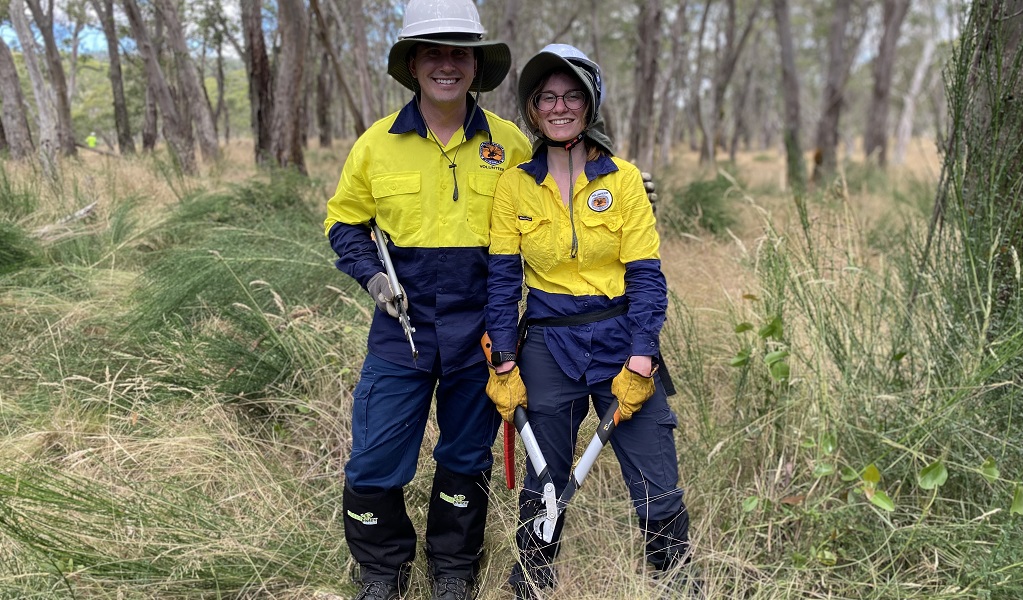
x=13 y=118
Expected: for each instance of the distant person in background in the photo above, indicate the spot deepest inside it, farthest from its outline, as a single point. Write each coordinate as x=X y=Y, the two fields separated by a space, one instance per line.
x=426 y=175
x=579 y=220
x=90 y=141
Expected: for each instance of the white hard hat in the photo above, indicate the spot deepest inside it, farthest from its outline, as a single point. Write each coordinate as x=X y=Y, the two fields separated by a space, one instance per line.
x=429 y=17
x=448 y=23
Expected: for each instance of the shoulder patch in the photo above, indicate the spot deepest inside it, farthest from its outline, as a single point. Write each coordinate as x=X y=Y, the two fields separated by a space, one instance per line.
x=492 y=153
x=600 y=200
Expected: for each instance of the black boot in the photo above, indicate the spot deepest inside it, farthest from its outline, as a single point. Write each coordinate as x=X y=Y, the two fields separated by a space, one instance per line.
x=668 y=550
x=381 y=539
x=535 y=569
x=454 y=532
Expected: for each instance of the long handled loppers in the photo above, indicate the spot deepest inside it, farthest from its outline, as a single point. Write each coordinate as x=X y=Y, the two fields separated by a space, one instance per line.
x=399 y=292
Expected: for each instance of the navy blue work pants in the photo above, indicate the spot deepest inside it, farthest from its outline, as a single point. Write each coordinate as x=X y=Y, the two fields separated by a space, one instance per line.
x=389 y=417
x=644 y=444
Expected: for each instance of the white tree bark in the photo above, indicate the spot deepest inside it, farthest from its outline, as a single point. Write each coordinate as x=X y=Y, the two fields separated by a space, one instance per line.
x=904 y=130
x=46 y=102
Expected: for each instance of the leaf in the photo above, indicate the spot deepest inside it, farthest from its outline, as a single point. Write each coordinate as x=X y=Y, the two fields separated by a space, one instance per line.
x=743 y=327
x=871 y=474
x=933 y=475
x=798 y=560
x=823 y=470
x=826 y=557
x=897 y=356
x=882 y=501
x=780 y=371
x=828 y=443
x=848 y=474
x=793 y=500
x=776 y=356
x=773 y=329
x=750 y=297
x=750 y=504
x=989 y=470
x=741 y=359
x=1017 y=502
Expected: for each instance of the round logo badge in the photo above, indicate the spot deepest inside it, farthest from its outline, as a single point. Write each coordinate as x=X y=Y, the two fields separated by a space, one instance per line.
x=600 y=200
x=492 y=153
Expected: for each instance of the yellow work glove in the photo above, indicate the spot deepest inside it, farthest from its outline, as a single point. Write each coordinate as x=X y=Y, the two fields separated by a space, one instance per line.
x=507 y=391
x=632 y=390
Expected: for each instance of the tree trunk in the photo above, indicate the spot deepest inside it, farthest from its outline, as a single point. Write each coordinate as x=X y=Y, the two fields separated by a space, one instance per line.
x=46 y=108
x=904 y=130
x=190 y=84
x=796 y=170
x=257 y=66
x=739 y=108
x=696 y=95
x=55 y=69
x=105 y=12
x=286 y=141
x=175 y=128
x=12 y=102
x=841 y=46
x=678 y=73
x=641 y=135
x=339 y=73
x=357 y=30
x=507 y=101
x=222 y=110
x=150 y=122
x=323 y=124
x=875 y=137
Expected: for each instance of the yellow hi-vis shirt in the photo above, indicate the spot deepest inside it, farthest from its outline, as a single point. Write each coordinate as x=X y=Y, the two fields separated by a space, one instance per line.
x=397 y=174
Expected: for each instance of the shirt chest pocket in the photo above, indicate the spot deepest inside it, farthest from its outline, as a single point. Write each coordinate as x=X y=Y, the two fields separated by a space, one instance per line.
x=538 y=243
x=600 y=238
x=480 y=204
x=398 y=204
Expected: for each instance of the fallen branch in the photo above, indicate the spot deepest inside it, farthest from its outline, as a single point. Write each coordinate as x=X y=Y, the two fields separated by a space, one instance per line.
x=78 y=215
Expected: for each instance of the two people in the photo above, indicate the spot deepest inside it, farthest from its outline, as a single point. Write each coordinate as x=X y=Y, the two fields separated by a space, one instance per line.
x=427 y=175
x=575 y=224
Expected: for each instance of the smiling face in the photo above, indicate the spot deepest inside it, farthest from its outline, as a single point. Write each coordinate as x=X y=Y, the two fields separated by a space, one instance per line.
x=560 y=123
x=444 y=73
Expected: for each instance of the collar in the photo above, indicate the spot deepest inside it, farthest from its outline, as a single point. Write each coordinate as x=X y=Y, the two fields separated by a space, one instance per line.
x=537 y=166
x=411 y=119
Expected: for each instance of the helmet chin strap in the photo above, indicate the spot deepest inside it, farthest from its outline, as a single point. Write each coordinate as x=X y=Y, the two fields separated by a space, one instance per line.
x=567 y=145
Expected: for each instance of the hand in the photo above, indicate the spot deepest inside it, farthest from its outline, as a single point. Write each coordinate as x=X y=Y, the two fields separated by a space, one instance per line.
x=507 y=391
x=379 y=289
x=650 y=187
x=633 y=388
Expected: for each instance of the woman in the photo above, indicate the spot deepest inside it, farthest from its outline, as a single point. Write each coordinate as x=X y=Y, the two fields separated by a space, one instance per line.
x=579 y=219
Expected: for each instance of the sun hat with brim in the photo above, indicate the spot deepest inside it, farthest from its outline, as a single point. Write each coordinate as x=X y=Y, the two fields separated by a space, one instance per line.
x=492 y=64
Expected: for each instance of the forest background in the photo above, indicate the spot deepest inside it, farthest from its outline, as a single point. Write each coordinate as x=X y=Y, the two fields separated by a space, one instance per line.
x=839 y=199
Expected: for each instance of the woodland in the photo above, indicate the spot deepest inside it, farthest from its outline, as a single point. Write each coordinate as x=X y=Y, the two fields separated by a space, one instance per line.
x=840 y=205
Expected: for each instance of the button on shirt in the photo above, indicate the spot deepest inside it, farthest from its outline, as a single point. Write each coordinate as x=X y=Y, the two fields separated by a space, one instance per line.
x=397 y=175
x=617 y=263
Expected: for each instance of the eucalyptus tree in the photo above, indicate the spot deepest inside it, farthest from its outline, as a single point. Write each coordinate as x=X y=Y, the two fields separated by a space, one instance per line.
x=176 y=127
x=675 y=81
x=55 y=73
x=46 y=103
x=105 y=13
x=257 y=69
x=647 y=41
x=285 y=140
x=875 y=136
x=13 y=118
x=796 y=167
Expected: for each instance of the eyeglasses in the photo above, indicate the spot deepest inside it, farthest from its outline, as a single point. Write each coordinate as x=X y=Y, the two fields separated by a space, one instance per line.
x=546 y=101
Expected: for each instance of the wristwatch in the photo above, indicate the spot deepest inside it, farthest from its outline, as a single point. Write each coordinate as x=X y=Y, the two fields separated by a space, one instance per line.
x=501 y=357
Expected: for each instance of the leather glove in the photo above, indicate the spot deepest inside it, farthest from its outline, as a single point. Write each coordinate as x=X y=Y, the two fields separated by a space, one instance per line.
x=507 y=392
x=632 y=390
x=650 y=187
x=379 y=289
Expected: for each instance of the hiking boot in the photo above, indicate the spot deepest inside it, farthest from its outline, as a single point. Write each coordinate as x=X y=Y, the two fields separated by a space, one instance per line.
x=451 y=588
x=680 y=583
x=377 y=590
x=525 y=591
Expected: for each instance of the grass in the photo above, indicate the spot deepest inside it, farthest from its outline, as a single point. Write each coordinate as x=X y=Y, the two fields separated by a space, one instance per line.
x=175 y=395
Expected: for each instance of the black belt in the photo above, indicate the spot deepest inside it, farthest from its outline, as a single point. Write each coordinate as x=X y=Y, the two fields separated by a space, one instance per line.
x=593 y=317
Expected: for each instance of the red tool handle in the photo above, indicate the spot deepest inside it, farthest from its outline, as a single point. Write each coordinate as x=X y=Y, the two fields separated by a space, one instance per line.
x=509 y=455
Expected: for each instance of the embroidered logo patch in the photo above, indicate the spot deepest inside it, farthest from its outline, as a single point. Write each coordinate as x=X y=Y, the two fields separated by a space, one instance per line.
x=456 y=500
x=525 y=218
x=492 y=153
x=600 y=200
x=365 y=518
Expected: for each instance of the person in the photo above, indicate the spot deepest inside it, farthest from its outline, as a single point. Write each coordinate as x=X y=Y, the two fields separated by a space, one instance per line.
x=575 y=224
x=426 y=176
x=91 y=140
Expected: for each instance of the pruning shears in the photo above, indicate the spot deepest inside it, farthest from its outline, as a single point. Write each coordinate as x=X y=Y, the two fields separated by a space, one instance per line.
x=543 y=524
x=399 y=294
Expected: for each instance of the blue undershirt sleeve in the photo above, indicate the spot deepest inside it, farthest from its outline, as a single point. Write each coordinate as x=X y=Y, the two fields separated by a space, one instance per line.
x=647 y=291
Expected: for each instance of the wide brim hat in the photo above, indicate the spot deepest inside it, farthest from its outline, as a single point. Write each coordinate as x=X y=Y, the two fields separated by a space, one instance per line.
x=542 y=64
x=492 y=63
